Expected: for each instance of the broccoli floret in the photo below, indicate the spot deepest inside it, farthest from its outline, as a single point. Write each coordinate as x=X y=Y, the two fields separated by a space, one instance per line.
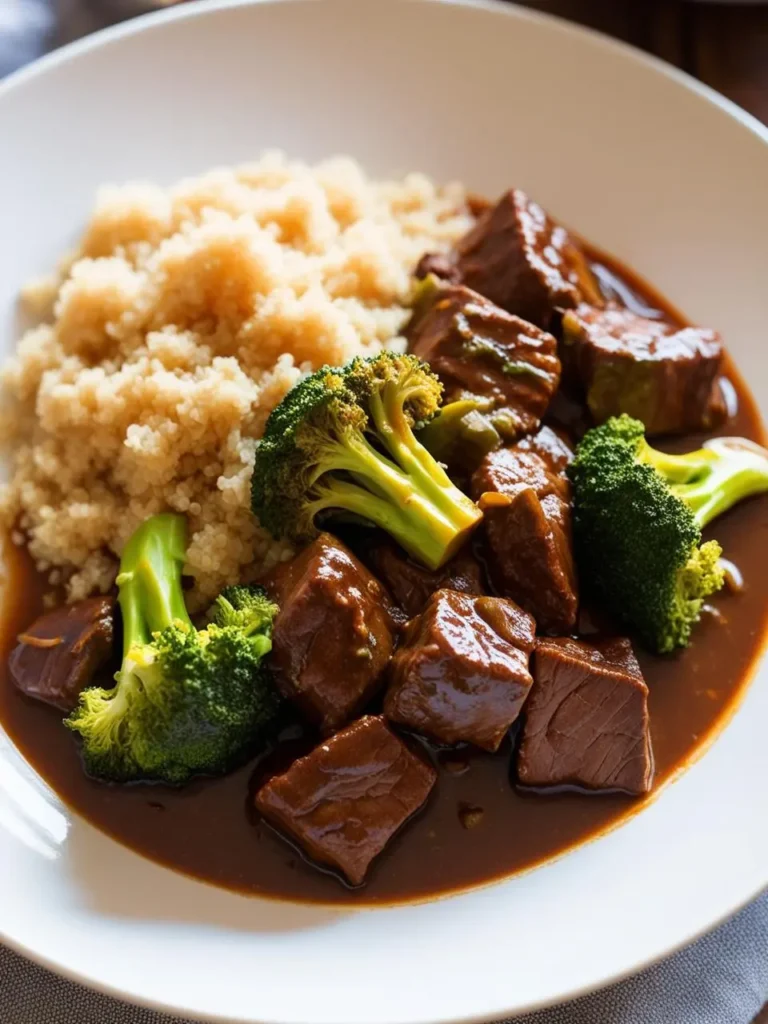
x=186 y=701
x=246 y=606
x=638 y=517
x=342 y=441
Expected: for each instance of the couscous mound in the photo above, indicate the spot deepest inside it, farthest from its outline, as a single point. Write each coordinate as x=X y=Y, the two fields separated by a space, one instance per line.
x=167 y=338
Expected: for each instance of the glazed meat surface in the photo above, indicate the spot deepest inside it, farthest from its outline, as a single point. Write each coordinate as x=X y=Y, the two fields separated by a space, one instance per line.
x=586 y=721
x=660 y=374
x=60 y=653
x=334 y=634
x=412 y=585
x=519 y=258
x=344 y=801
x=527 y=528
x=461 y=674
x=478 y=349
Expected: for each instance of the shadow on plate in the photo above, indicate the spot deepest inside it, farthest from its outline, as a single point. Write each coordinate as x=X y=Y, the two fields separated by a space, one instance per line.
x=115 y=881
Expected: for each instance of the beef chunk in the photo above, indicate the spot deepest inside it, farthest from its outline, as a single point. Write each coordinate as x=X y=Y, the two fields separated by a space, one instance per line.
x=661 y=374
x=343 y=802
x=586 y=720
x=461 y=674
x=552 y=447
x=476 y=348
x=520 y=259
x=61 y=652
x=441 y=266
x=412 y=585
x=333 y=635
x=528 y=530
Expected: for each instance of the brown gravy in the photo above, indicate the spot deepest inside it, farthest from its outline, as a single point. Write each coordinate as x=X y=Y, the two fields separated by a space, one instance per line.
x=477 y=827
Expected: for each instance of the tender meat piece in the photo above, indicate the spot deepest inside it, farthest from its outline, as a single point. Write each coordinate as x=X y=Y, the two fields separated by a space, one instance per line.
x=528 y=533
x=551 y=446
x=586 y=720
x=343 y=802
x=441 y=266
x=333 y=635
x=412 y=585
x=461 y=674
x=661 y=374
x=476 y=348
x=520 y=259
x=61 y=652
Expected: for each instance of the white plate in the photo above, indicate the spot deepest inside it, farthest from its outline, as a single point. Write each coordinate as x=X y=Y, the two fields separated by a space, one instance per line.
x=647 y=164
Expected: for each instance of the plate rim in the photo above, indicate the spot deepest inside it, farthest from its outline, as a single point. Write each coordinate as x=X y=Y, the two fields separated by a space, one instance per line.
x=511 y=8
x=198 y=8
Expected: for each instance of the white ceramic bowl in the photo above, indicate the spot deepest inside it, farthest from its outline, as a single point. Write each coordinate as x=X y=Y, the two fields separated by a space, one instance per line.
x=641 y=160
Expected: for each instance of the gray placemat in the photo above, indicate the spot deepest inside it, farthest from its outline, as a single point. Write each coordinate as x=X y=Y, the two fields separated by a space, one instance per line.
x=722 y=979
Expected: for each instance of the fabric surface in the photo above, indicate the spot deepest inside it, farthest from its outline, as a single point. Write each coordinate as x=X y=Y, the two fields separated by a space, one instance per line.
x=722 y=979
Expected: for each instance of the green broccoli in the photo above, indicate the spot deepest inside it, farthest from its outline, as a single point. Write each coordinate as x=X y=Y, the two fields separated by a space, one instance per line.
x=461 y=435
x=638 y=517
x=342 y=441
x=186 y=701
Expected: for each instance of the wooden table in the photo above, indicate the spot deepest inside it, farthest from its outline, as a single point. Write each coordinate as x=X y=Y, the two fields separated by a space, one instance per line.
x=725 y=45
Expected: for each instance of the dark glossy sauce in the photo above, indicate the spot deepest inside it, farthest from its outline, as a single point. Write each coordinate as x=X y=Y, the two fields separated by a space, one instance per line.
x=477 y=827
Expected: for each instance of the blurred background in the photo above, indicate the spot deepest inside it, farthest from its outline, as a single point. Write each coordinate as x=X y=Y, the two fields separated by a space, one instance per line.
x=725 y=44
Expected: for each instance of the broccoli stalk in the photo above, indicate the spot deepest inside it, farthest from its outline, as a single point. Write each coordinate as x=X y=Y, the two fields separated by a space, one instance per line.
x=343 y=442
x=638 y=517
x=186 y=701
x=725 y=471
x=149 y=582
x=460 y=436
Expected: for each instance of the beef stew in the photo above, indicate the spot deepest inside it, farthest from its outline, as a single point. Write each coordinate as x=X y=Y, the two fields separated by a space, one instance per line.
x=435 y=801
